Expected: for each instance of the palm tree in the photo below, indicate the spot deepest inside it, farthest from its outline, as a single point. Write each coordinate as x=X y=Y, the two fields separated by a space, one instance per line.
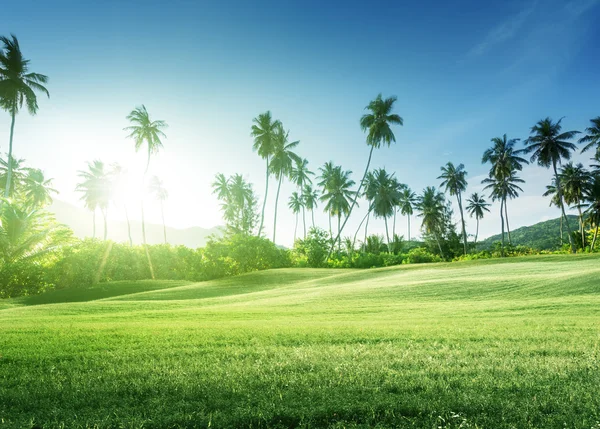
x=18 y=86
x=549 y=147
x=455 y=183
x=310 y=198
x=161 y=194
x=263 y=131
x=476 y=206
x=385 y=196
x=296 y=204
x=119 y=175
x=96 y=190
x=431 y=205
x=574 y=181
x=143 y=130
x=282 y=162
x=338 y=195
x=327 y=172
x=592 y=205
x=408 y=200
x=377 y=124
x=593 y=136
x=38 y=190
x=19 y=174
x=399 y=188
x=300 y=175
x=238 y=203
x=554 y=201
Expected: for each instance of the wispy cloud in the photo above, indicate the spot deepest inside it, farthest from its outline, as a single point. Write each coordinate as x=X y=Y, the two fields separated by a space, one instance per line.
x=504 y=31
x=579 y=7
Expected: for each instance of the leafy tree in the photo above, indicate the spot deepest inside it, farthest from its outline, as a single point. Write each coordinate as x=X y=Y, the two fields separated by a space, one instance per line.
x=282 y=162
x=144 y=130
x=338 y=195
x=300 y=175
x=408 y=201
x=549 y=146
x=592 y=138
x=238 y=203
x=95 y=187
x=455 y=182
x=377 y=124
x=384 y=194
x=431 y=205
x=18 y=86
x=476 y=206
x=574 y=181
x=263 y=131
x=118 y=178
x=310 y=198
x=296 y=204
x=161 y=194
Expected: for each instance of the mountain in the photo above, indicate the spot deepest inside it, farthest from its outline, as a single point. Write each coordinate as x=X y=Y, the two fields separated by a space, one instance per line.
x=542 y=236
x=80 y=221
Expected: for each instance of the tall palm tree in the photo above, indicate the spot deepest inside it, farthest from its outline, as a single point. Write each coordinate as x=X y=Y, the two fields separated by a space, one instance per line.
x=238 y=203
x=592 y=205
x=263 y=131
x=282 y=162
x=549 y=146
x=455 y=182
x=157 y=188
x=326 y=176
x=338 y=196
x=431 y=205
x=310 y=198
x=554 y=201
x=96 y=191
x=385 y=196
x=574 y=181
x=19 y=175
x=296 y=204
x=399 y=188
x=119 y=177
x=38 y=190
x=300 y=175
x=18 y=86
x=408 y=201
x=377 y=124
x=592 y=138
x=143 y=130
x=476 y=206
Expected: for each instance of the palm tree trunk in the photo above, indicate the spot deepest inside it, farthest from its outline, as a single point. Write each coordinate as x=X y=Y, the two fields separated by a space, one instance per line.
x=128 y=226
x=562 y=208
x=367 y=226
x=296 y=227
x=304 y=221
x=146 y=244
x=355 y=196
x=162 y=213
x=394 y=225
x=409 y=228
x=330 y=230
x=561 y=231
x=476 y=230
x=462 y=221
x=502 y=221
x=262 y=213
x=339 y=232
x=439 y=246
x=312 y=214
x=359 y=226
x=507 y=225
x=10 y=149
x=94 y=222
x=387 y=234
x=276 y=202
x=595 y=234
x=581 y=229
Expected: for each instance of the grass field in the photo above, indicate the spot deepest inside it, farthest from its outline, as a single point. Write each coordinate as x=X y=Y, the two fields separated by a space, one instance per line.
x=490 y=344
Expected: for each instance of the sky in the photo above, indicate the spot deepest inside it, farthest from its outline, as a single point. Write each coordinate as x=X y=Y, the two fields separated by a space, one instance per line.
x=463 y=72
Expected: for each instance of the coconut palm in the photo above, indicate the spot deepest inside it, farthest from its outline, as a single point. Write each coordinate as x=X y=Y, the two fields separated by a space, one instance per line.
x=455 y=183
x=592 y=138
x=263 y=131
x=18 y=174
x=161 y=194
x=377 y=124
x=296 y=204
x=408 y=201
x=431 y=205
x=282 y=162
x=238 y=203
x=549 y=146
x=18 y=86
x=95 y=188
x=327 y=172
x=574 y=181
x=118 y=179
x=145 y=131
x=384 y=195
x=300 y=175
x=476 y=206
x=592 y=206
x=37 y=189
x=399 y=188
x=554 y=201
x=338 y=196
x=310 y=198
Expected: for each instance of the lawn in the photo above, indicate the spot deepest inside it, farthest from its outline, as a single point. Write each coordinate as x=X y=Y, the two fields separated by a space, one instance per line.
x=489 y=344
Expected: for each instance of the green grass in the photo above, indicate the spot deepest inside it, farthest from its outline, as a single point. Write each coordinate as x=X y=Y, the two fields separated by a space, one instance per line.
x=490 y=344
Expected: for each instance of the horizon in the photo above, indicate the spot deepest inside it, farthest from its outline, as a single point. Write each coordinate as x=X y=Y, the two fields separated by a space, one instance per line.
x=469 y=74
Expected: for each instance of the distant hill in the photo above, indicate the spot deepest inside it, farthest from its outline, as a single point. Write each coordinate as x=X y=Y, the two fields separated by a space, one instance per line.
x=542 y=236
x=80 y=221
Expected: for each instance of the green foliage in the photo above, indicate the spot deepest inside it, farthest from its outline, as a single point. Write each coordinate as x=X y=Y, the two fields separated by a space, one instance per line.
x=419 y=255
x=314 y=248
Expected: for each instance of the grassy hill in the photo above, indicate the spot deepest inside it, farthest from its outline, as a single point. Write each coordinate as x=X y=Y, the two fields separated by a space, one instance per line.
x=487 y=344
x=542 y=236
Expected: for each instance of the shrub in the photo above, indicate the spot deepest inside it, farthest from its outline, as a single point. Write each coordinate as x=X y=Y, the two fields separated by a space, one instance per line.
x=22 y=278
x=314 y=248
x=420 y=255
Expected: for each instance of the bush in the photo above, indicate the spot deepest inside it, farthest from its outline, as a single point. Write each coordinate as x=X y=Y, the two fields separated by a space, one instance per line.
x=419 y=255
x=314 y=248
x=22 y=278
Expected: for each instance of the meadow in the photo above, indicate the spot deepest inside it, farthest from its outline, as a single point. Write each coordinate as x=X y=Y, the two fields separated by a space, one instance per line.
x=501 y=343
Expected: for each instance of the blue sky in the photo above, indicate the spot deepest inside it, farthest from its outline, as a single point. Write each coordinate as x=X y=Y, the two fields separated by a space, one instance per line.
x=463 y=72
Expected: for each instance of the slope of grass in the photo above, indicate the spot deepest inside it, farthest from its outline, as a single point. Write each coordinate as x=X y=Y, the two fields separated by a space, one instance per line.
x=488 y=344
